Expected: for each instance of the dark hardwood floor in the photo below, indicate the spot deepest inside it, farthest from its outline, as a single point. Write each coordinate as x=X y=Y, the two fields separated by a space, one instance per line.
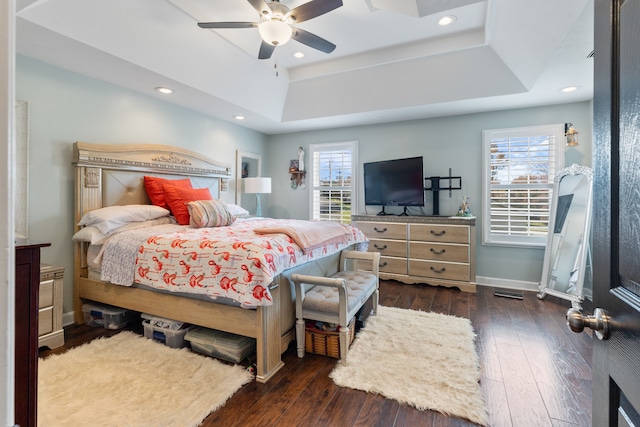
x=535 y=372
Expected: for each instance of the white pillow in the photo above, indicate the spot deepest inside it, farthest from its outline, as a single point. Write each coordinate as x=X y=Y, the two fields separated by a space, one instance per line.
x=89 y=234
x=112 y=217
x=94 y=236
x=235 y=210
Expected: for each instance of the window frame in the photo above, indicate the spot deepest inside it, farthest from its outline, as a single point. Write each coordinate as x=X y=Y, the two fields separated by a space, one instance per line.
x=532 y=241
x=311 y=179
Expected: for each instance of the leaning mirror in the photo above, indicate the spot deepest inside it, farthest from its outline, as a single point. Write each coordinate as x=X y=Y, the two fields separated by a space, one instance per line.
x=567 y=261
x=247 y=165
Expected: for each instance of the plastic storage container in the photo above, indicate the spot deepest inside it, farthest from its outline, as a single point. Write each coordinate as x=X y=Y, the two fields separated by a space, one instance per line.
x=107 y=316
x=170 y=337
x=222 y=345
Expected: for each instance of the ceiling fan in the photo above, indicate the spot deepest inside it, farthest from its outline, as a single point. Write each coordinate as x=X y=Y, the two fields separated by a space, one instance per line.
x=276 y=24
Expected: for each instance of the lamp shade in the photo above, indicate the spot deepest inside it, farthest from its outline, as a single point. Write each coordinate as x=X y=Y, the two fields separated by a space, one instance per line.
x=258 y=185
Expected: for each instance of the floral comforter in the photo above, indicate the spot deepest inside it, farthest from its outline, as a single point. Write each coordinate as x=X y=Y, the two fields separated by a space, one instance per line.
x=232 y=262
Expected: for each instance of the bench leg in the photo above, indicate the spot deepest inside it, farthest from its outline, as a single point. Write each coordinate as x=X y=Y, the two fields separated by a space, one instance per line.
x=300 y=337
x=376 y=297
x=344 y=343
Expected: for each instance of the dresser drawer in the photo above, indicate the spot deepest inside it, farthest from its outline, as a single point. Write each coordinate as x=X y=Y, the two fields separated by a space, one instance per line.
x=45 y=321
x=439 y=270
x=439 y=233
x=389 y=247
x=393 y=265
x=439 y=251
x=383 y=230
x=45 y=299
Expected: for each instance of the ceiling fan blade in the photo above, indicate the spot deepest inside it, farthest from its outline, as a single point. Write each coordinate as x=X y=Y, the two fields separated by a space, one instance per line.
x=265 y=50
x=311 y=40
x=261 y=6
x=312 y=9
x=227 y=24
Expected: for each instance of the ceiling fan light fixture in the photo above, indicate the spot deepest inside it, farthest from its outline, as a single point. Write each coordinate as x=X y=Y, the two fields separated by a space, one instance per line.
x=275 y=32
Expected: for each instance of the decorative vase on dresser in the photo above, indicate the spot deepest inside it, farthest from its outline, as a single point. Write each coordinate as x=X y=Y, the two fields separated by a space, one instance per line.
x=423 y=249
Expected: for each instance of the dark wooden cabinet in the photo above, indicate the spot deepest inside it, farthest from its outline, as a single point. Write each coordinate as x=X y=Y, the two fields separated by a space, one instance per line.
x=27 y=279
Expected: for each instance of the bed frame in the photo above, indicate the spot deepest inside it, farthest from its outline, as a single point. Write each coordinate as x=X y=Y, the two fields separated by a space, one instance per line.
x=108 y=175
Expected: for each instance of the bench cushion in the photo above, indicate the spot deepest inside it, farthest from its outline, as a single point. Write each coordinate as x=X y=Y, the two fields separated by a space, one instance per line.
x=361 y=284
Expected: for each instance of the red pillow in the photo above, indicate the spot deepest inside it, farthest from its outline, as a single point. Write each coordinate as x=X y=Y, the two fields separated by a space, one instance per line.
x=153 y=185
x=178 y=197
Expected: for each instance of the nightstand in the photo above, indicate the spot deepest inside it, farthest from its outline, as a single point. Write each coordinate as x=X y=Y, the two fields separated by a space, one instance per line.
x=50 y=331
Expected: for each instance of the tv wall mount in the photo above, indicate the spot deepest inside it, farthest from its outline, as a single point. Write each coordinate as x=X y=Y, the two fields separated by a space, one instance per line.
x=436 y=187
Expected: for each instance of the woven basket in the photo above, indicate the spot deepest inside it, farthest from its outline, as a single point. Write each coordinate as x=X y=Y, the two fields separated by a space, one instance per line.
x=326 y=343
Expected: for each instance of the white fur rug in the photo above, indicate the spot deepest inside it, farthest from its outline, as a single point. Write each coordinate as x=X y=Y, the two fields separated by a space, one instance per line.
x=426 y=360
x=128 y=380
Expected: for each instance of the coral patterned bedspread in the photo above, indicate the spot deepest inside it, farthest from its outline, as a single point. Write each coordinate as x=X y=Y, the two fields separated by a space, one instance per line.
x=232 y=262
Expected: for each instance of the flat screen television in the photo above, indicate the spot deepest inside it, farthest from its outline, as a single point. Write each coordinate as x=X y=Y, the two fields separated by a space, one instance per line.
x=398 y=182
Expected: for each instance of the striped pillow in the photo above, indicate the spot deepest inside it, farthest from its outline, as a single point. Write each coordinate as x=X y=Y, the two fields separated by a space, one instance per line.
x=209 y=213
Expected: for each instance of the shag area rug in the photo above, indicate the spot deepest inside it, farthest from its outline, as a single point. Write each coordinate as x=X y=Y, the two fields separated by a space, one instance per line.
x=129 y=380
x=426 y=360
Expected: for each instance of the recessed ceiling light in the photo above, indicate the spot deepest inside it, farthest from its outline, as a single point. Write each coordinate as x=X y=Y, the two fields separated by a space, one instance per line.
x=239 y=117
x=165 y=90
x=446 y=20
x=569 y=89
x=298 y=55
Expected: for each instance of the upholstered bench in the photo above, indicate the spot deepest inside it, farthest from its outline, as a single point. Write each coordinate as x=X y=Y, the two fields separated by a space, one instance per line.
x=337 y=299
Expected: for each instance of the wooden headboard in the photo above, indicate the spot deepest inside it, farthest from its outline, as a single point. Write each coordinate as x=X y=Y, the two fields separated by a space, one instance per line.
x=109 y=174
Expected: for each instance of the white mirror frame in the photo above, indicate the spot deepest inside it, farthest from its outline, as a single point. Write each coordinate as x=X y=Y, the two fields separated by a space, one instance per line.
x=581 y=262
x=245 y=157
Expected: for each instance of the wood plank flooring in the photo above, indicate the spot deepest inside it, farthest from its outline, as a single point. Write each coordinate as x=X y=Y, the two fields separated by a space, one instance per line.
x=535 y=372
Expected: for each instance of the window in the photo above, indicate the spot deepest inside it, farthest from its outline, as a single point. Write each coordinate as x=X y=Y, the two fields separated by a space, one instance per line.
x=333 y=180
x=519 y=166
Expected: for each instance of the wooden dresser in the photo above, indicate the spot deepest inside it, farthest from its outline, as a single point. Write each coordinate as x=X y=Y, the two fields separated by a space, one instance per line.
x=414 y=249
x=27 y=282
x=50 y=330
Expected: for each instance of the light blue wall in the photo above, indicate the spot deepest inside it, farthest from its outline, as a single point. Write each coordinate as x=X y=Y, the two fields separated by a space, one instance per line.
x=65 y=107
x=449 y=142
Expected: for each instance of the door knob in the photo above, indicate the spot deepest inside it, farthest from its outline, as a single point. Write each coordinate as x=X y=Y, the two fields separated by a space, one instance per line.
x=599 y=322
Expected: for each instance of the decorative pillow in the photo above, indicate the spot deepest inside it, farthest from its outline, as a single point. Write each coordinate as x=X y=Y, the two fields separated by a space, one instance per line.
x=94 y=236
x=153 y=186
x=112 y=217
x=235 y=210
x=177 y=199
x=209 y=213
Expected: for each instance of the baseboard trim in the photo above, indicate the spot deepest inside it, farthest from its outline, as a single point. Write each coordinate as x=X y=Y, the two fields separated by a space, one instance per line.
x=67 y=318
x=496 y=282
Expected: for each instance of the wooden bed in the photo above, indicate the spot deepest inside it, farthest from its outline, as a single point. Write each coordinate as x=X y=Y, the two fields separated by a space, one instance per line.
x=108 y=175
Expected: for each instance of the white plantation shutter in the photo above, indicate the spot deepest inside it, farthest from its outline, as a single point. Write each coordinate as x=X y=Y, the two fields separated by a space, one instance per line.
x=519 y=167
x=333 y=179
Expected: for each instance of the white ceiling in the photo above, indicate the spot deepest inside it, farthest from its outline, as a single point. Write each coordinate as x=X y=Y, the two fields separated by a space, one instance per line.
x=392 y=61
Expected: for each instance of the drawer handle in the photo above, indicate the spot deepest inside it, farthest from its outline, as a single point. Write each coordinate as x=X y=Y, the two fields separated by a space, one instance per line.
x=380 y=231
x=383 y=264
x=382 y=248
x=440 y=252
x=435 y=233
x=438 y=270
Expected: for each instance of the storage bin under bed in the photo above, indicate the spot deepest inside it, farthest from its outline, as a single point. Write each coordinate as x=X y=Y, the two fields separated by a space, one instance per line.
x=173 y=338
x=107 y=316
x=222 y=345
